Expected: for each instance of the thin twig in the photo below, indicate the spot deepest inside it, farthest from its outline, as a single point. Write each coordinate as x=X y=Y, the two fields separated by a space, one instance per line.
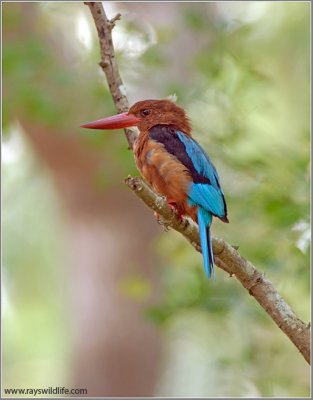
x=226 y=256
x=108 y=63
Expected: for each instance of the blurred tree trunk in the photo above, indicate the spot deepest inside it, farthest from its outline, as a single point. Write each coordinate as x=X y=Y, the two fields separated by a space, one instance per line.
x=115 y=350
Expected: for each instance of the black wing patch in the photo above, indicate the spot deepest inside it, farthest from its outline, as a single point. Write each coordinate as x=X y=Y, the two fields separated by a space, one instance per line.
x=166 y=134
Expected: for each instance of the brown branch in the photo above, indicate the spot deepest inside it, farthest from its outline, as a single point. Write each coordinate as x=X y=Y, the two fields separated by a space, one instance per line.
x=108 y=63
x=226 y=256
x=228 y=259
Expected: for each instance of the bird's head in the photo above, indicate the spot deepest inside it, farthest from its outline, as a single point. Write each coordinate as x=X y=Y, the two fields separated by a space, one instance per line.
x=146 y=114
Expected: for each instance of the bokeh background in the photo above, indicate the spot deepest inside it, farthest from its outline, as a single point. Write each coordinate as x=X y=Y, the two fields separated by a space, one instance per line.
x=95 y=295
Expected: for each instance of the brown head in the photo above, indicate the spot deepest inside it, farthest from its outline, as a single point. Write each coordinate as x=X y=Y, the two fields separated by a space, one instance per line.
x=146 y=114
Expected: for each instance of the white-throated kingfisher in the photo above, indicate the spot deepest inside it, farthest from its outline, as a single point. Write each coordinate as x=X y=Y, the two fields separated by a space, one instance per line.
x=174 y=164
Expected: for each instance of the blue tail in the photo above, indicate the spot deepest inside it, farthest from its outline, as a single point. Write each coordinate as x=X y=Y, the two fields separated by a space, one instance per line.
x=204 y=221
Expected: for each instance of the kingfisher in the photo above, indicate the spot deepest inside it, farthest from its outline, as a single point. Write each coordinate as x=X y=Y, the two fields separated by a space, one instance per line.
x=174 y=164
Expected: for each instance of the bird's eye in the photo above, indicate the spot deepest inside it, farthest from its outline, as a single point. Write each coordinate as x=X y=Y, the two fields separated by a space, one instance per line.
x=145 y=112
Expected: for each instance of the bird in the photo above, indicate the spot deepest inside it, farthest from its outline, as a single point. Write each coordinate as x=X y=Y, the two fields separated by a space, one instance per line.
x=174 y=164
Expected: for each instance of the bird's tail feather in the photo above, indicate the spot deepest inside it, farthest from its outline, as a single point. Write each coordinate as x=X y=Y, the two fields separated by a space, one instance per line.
x=204 y=221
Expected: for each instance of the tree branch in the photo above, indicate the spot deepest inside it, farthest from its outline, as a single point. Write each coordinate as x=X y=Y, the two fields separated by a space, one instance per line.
x=228 y=259
x=108 y=63
x=226 y=256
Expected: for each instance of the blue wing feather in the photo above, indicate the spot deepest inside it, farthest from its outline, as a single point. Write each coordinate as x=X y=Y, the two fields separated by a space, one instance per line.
x=209 y=196
x=200 y=159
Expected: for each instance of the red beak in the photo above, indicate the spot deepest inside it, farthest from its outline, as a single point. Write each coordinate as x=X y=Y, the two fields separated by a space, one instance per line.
x=118 y=121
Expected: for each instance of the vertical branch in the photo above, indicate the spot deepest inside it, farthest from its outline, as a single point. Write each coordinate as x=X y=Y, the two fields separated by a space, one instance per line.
x=108 y=62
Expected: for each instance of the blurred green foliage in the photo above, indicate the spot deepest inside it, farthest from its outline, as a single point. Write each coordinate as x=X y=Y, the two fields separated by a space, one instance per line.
x=245 y=86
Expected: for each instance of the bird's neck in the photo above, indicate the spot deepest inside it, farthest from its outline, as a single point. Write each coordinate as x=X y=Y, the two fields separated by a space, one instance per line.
x=182 y=127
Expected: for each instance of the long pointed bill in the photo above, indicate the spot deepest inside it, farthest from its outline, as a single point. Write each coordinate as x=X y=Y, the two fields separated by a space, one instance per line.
x=118 y=121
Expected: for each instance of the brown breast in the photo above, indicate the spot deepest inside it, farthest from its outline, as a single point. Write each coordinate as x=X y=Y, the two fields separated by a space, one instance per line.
x=161 y=170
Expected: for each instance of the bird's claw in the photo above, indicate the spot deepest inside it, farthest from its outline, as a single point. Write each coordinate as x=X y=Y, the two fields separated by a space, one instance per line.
x=175 y=210
x=160 y=221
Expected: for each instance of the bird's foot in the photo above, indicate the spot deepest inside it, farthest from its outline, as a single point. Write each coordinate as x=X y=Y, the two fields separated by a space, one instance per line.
x=160 y=221
x=175 y=209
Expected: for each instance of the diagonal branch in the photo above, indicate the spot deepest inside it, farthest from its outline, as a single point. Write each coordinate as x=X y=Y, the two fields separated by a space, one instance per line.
x=226 y=257
x=229 y=259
